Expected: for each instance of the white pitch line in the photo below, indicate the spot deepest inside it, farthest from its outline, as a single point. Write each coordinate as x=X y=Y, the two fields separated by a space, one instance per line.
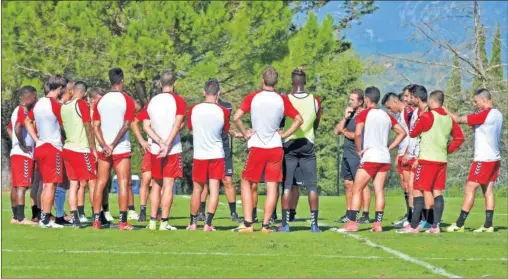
x=230 y=254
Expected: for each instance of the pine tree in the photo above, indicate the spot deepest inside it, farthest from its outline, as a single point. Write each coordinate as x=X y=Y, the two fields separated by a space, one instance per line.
x=496 y=75
x=483 y=57
x=453 y=87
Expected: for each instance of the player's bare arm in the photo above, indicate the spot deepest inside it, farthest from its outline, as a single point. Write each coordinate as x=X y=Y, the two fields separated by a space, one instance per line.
x=91 y=138
x=401 y=134
x=339 y=128
x=125 y=127
x=348 y=134
x=18 y=130
x=147 y=126
x=358 y=138
x=177 y=126
x=30 y=128
x=457 y=118
x=298 y=121
x=100 y=138
x=137 y=133
x=9 y=132
x=239 y=124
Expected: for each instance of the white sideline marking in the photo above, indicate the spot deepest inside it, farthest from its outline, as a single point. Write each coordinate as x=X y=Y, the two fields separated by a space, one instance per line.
x=231 y=254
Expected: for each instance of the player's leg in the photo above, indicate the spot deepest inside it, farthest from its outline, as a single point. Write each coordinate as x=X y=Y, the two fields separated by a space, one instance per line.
x=290 y=164
x=131 y=208
x=365 y=219
x=20 y=207
x=308 y=166
x=293 y=203
x=361 y=181
x=81 y=198
x=488 y=193
x=254 y=193
x=51 y=165
x=213 y=187
x=122 y=170
x=438 y=202
x=146 y=177
x=197 y=189
x=36 y=188
x=21 y=174
x=348 y=176
x=105 y=200
x=379 y=185
x=202 y=204
x=91 y=190
x=103 y=173
x=273 y=176
x=168 y=184
x=229 y=190
x=155 y=201
x=14 y=204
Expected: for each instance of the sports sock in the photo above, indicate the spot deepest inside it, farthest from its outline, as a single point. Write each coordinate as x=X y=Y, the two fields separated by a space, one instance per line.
x=409 y=214
x=285 y=217
x=45 y=217
x=131 y=207
x=152 y=218
x=193 y=219
x=462 y=218
x=34 y=211
x=254 y=213
x=379 y=216
x=365 y=215
x=247 y=224
x=74 y=217
x=352 y=215
x=489 y=215
x=406 y=198
x=209 y=218
x=314 y=216
x=418 y=204
x=292 y=214
x=165 y=219
x=20 y=212
x=430 y=216
x=142 y=208
x=14 y=212
x=81 y=210
x=232 y=207
x=202 y=207
x=96 y=217
x=425 y=214
x=123 y=216
x=438 y=210
x=105 y=207
x=266 y=226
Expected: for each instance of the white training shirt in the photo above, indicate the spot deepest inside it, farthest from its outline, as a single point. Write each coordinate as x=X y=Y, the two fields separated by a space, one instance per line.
x=487 y=126
x=112 y=110
x=413 y=148
x=377 y=126
x=208 y=121
x=162 y=111
x=46 y=114
x=404 y=120
x=18 y=116
x=267 y=108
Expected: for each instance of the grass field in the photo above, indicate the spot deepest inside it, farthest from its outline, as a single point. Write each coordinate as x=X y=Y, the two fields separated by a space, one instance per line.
x=35 y=252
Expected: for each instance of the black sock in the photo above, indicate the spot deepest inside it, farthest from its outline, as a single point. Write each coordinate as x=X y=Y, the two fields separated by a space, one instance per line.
x=232 y=207
x=254 y=213
x=202 y=207
x=34 y=211
x=365 y=215
x=159 y=211
x=489 y=215
x=96 y=217
x=352 y=215
x=142 y=208
x=105 y=207
x=21 y=212
x=406 y=198
x=123 y=216
x=74 y=217
x=193 y=219
x=425 y=214
x=379 y=216
x=266 y=226
x=209 y=218
x=409 y=214
x=430 y=216
x=45 y=217
x=462 y=218
x=285 y=217
x=152 y=218
x=131 y=207
x=247 y=224
x=292 y=214
x=314 y=216
x=165 y=219
x=14 y=212
x=418 y=204
x=438 y=210
x=81 y=210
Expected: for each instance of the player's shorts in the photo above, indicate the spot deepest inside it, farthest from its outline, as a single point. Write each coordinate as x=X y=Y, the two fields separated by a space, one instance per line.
x=170 y=166
x=300 y=154
x=373 y=168
x=410 y=162
x=114 y=159
x=268 y=160
x=203 y=170
x=298 y=180
x=79 y=166
x=146 y=163
x=21 y=171
x=228 y=162
x=349 y=167
x=484 y=172
x=430 y=177
x=50 y=163
x=401 y=167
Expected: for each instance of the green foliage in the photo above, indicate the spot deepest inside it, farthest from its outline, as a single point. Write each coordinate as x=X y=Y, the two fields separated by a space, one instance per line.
x=496 y=75
x=453 y=87
x=477 y=83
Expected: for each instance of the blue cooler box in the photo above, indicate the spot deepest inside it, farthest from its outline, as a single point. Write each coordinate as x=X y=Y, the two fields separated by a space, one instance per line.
x=135 y=184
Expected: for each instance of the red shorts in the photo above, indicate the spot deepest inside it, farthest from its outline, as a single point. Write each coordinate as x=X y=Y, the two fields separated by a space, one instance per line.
x=79 y=166
x=21 y=171
x=49 y=159
x=202 y=170
x=401 y=167
x=170 y=166
x=484 y=172
x=430 y=176
x=410 y=163
x=267 y=160
x=146 y=163
x=113 y=159
x=373 y=168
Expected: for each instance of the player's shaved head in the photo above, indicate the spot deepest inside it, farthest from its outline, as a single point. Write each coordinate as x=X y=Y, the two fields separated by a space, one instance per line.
x=80 y=86
x=115 y=76
x=373 y=94
x=389 y=97
x=167 y=79
x=437 y=96
x=482 y=92
x=270 y=76
x=212 y=87
x=298 y=77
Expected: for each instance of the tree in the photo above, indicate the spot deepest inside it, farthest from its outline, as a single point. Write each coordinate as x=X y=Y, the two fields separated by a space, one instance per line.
x=453 y=87
x=480 y=48
x=496 y=73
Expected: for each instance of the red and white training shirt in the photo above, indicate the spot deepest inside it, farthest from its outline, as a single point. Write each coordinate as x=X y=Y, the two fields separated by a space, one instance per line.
x=162 y=111
x=112 y=110
x=487 y=126
x=46 y=114
x=207 y=122
x=267 y=108
x=404 y=119
x=413 y=146
x=377 y=126
x=18 y=116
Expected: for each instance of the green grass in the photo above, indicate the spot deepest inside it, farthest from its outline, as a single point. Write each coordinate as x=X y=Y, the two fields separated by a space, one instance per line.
x=35 y=252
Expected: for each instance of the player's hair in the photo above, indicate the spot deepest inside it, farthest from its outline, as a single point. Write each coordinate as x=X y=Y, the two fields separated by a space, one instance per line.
x=298 y=76
x=388 y=97
x=419 y=91
x=483 y=93
x=373 y=94
x=270 y=76
x=56 y=82
x=401 y=96
x=27 y=89
x=96 y=91
x=212 y=87
x=81 y=86
x=167 y=79
x=45 y=87
x=438 y=96
x=358 y=92
x=408 y=87
x=115 y=76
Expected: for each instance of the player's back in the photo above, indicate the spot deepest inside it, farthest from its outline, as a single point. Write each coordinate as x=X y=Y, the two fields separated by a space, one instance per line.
x=404 y=119
x=267 y=111
x=375 y=135
x=46 y=114
x=434 y=142
x=18 y=115
x=112 y=110
x=162 y=110
x=208 y=122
